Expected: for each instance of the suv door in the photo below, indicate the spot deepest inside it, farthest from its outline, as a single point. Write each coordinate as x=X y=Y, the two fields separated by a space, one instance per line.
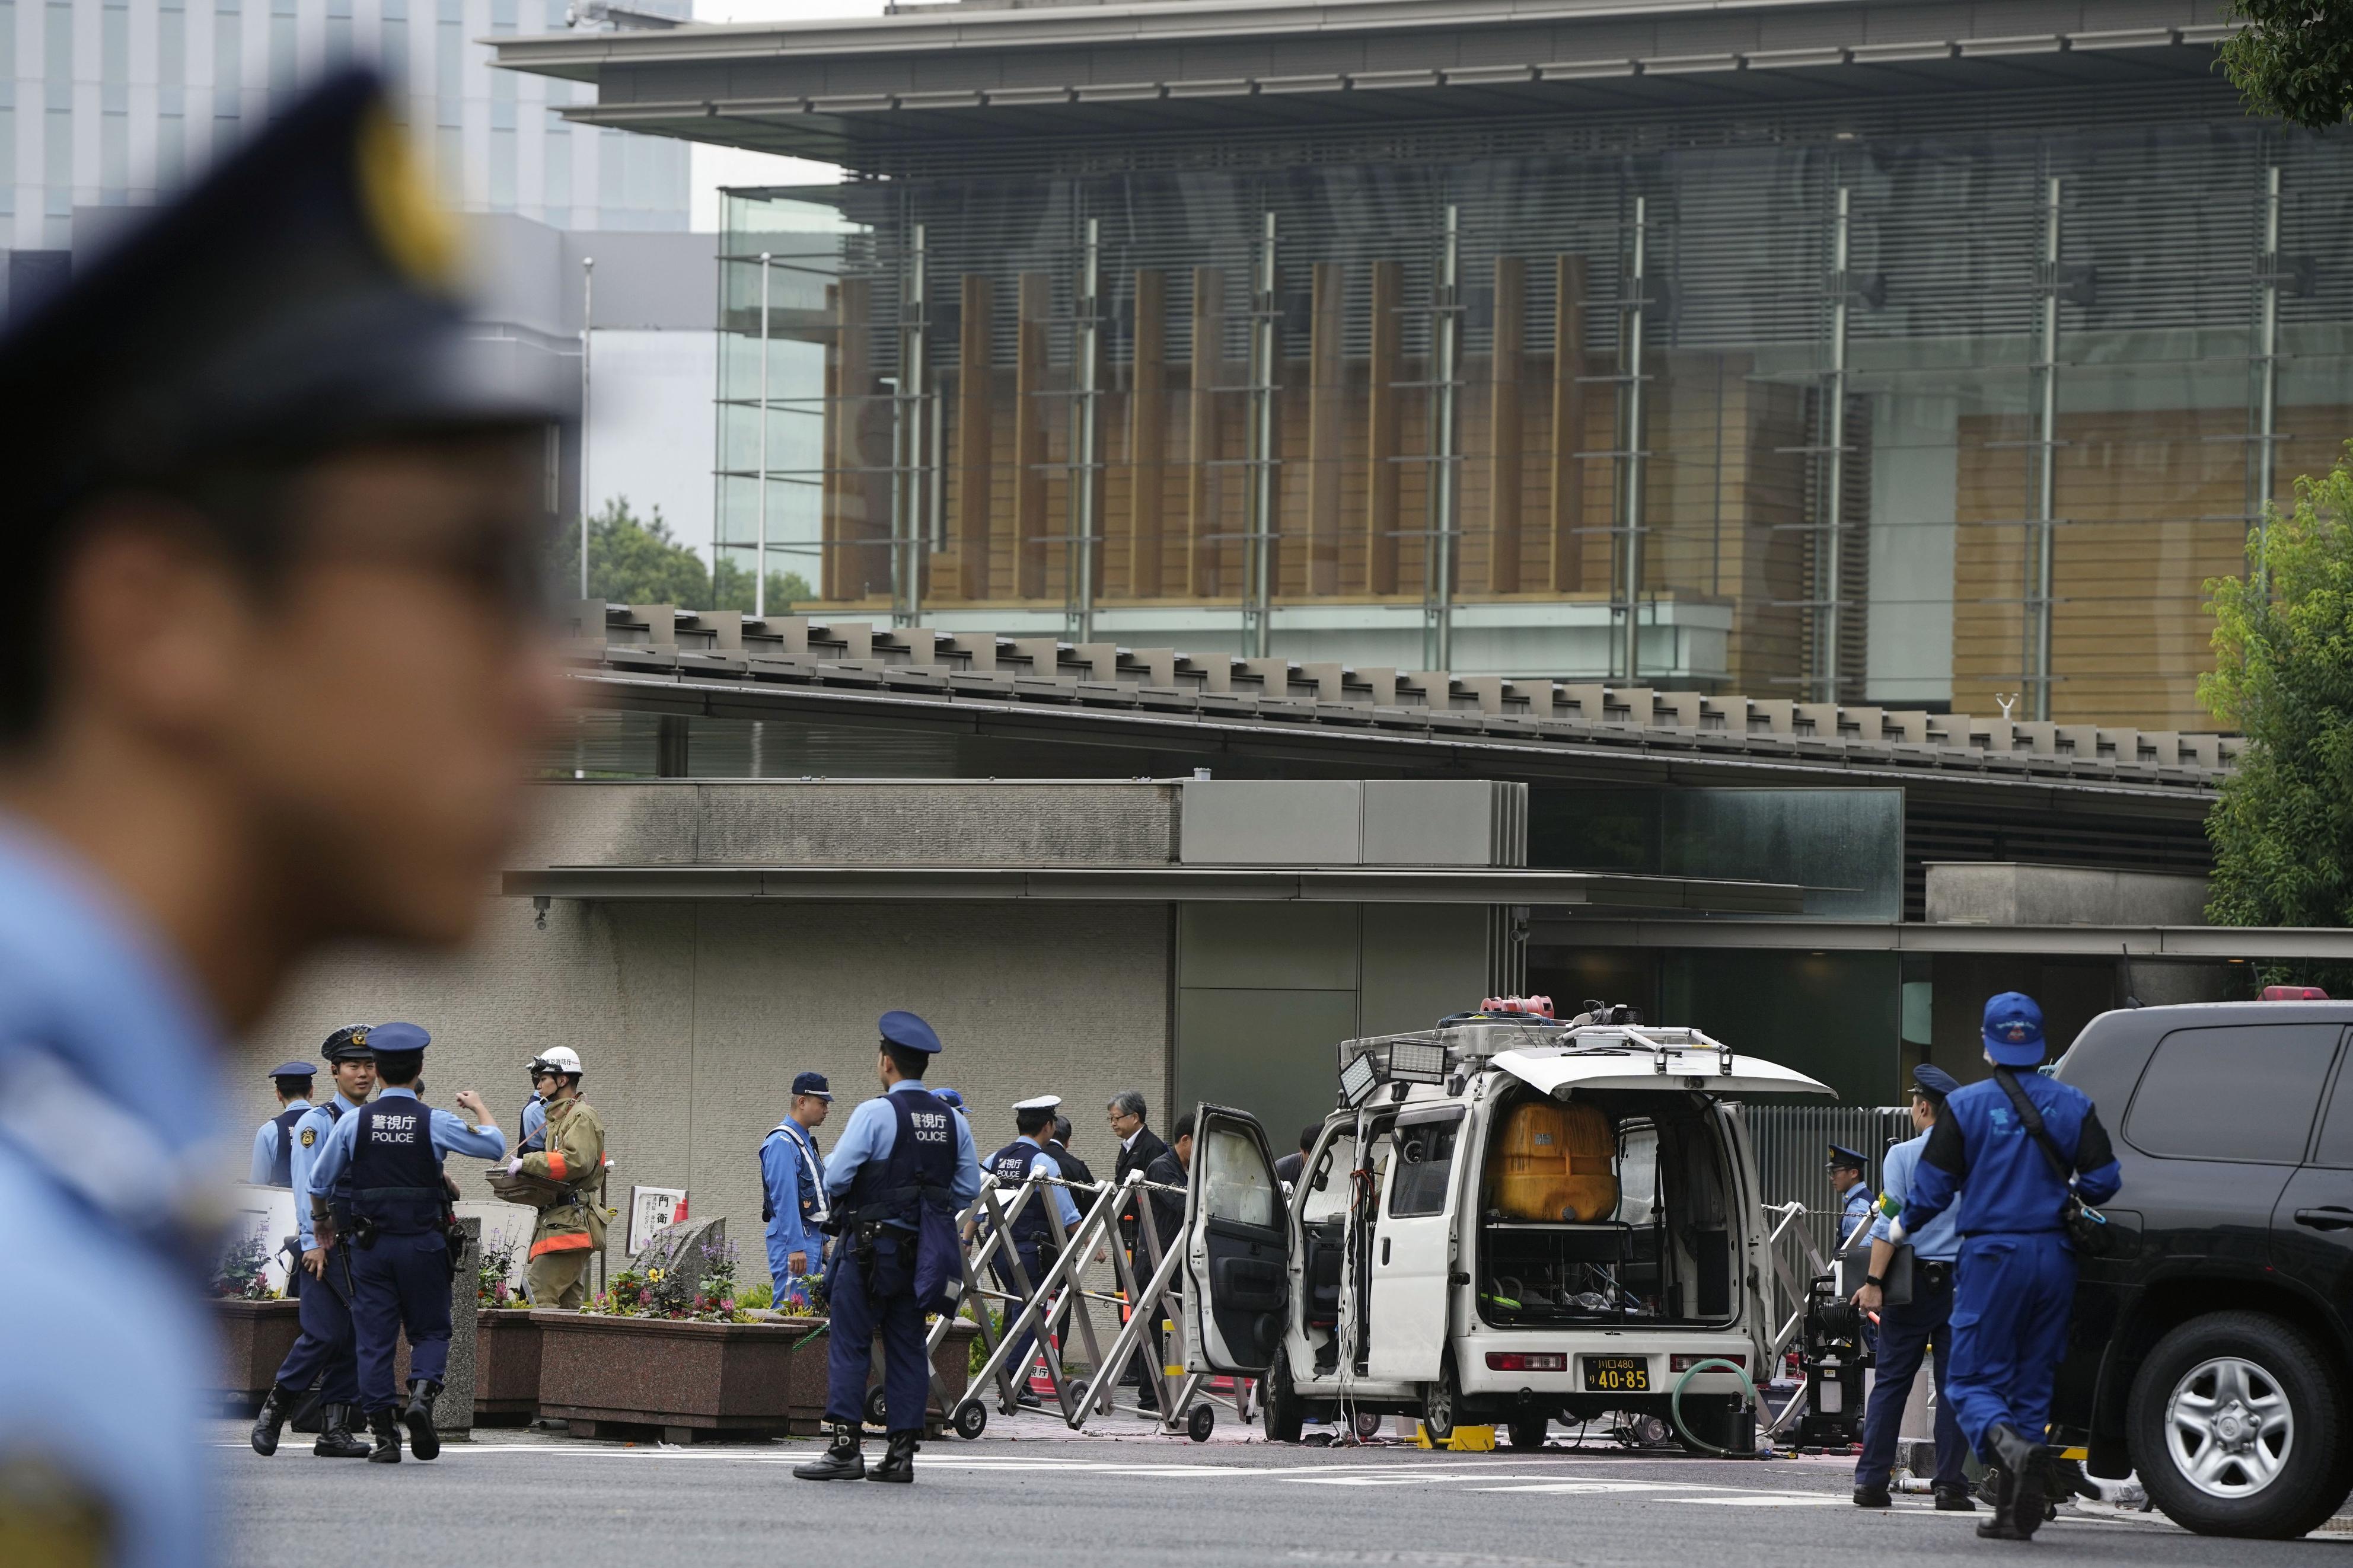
x=2311 y=1228
x=1414 y=1251
x=1237 y=1247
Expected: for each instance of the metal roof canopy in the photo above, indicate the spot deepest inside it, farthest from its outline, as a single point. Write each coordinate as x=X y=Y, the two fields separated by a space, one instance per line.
x=850 y=90
x=2187 y=943
x=1152 y=884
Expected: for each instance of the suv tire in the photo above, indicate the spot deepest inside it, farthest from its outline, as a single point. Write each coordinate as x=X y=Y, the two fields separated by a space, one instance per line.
x=2189 y=1427
x=1286 y=1413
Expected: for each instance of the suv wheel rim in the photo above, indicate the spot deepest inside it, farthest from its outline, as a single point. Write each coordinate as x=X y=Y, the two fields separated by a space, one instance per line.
x=2228 y=1427
x=1442 y=1404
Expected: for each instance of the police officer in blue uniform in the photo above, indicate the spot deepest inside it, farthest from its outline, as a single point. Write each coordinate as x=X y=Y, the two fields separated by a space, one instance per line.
x=273 y=1141
x=903 y=1165
x=2016 y=1151
x=325 y=1350
x=792 y=1182
x=1031 y=1154
x=396 y=1214
x=1851 y=1179
x=245 y=440
x=1907 y=1329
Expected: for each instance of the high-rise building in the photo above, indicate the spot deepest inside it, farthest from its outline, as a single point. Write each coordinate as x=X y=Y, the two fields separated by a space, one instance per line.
x=108 y=102
x=1875 y=353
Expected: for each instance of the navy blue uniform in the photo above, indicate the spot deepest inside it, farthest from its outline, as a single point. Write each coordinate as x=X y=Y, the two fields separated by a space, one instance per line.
x=870 y=1289
x=325 y=1348
x=273 y=1147
x=2016 y=1273
x=1033 y=1233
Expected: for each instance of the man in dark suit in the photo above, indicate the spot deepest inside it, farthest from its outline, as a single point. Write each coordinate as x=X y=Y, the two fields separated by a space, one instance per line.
x=1140 y=1149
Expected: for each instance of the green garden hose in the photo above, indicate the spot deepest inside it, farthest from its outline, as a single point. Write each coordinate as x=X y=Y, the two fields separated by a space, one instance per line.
x=1676 y=1401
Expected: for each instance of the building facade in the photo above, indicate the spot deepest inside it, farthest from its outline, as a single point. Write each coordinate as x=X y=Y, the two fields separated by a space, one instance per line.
x=1907 y=354
x=110 y=102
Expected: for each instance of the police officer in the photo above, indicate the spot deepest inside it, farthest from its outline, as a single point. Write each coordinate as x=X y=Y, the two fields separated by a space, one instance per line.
x=1850 y=1179
x=1033 y=1233
x=2003 y=1145
x=245 y=444
x=325 y=1349
x=792 y=1182
x=953 y=1100
x=1907 y=1328
x=273 y=1141
x=1073 y=1168
x=396 y=1212
x=903 y=1164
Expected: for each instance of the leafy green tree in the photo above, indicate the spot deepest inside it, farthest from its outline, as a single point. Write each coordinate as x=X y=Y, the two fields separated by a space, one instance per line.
x=636 y=560
x=2294 y=59
x=2283 y=830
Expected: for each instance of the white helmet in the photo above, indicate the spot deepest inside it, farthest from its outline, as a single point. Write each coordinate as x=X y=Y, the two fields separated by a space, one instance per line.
x=556 y=1059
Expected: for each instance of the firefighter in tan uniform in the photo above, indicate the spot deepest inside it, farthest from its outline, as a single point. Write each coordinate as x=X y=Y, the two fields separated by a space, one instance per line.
x=561 y=1172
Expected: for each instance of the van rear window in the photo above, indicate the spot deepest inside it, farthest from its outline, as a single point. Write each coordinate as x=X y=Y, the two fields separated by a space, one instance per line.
x=2244 y=1093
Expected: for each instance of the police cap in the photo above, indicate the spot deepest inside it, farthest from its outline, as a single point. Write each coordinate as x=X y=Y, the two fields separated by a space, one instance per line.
x=908 y=1032
x=1039 y=1102
x=301 y=298
x=293 y=1069
x=408 y=1038
x=2013 y=1030
x=814 y=1085
x=1842 y=1155
x=949 y=1097
x=1934 y=1080
x=349 y=1044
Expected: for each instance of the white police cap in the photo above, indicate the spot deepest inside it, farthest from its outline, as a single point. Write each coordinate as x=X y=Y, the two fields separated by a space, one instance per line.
x=1042 y=1102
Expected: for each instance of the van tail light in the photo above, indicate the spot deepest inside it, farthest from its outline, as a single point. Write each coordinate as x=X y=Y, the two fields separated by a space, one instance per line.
x=1526 y=1361
x=2293 y=994
x=1685 y=1362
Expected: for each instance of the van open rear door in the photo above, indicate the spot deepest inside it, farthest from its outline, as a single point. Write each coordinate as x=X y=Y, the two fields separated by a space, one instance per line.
x=1237 y=1247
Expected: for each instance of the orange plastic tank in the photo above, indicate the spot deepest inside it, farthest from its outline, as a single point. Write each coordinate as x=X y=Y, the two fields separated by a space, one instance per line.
x=1555 y=1162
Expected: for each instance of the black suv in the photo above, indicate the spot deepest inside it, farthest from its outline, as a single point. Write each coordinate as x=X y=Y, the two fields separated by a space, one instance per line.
x=2212 y=1343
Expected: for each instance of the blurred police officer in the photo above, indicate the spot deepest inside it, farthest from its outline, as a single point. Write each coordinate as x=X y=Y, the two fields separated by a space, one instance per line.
x=273 y=1141
x=325 y=1349
x=270 y=681
x=397 y=1219
x=2014 y=1150
x=1033 y=1233
x=1850 y=1179
x=792 y=1182
x=566 y=1172
x=902 y=1167
x=1907 y=1328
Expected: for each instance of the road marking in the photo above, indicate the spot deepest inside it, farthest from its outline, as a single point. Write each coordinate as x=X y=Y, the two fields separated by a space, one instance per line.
x=1587 y=1489
x=1765 y=1500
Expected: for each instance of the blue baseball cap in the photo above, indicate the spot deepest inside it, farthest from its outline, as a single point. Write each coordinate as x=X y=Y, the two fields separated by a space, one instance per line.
x=387 y=1039
x=293 y=1069
x=812 y=1083
x=909 y=1033
x=950 y=1096
x=2013 y=1030
x=1935 y=1079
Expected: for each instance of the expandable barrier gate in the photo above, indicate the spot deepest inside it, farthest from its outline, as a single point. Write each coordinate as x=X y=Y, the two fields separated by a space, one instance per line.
x=1796 y=1263
x=1058 y=1310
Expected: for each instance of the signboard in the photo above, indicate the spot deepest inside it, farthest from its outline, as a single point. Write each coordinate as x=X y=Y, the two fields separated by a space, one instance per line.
x=504 y=1224
x=264 y=1214
x=650 y=1208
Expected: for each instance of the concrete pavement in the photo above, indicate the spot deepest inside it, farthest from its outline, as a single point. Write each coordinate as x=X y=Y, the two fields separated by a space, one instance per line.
x=1027 y=1491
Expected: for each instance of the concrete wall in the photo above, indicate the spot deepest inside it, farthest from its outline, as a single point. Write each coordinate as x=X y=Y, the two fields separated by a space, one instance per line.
x=2007 y=893
x=692 y=1020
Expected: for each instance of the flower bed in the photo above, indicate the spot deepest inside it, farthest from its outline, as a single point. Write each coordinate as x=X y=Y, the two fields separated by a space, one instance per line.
x=254 y=1338
x=681 y=1377
x=506 y=1366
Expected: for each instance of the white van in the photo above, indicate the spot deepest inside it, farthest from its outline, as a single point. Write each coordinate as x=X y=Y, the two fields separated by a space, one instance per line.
x=1407 y=1274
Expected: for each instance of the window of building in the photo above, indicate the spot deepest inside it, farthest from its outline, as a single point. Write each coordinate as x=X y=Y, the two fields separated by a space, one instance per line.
x=450 y=65
x=339 y=31
x=1425 y=1163
x=394 y=25
x=281 y=47
x=2245 y=1093
x=228 y=59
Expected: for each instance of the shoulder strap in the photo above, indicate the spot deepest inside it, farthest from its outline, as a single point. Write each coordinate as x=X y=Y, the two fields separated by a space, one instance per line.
x=2034 y=1128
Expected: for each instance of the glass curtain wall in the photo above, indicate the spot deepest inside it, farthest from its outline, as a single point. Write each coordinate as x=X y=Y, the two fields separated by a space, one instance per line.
x=1960 y=422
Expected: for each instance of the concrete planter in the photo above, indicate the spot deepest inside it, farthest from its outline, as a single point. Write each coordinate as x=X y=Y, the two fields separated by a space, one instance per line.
x=254 y=1338
x=632 y=1376
x=506 y=1366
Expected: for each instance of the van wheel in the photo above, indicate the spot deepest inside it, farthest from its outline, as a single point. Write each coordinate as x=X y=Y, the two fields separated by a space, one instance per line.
x=2237 y=1430
x=1440 y=1401
x=1528 y=1433
x=1286 y=1413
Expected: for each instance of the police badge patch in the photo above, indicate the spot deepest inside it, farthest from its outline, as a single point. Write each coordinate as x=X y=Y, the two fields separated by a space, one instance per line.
x=310 y=1136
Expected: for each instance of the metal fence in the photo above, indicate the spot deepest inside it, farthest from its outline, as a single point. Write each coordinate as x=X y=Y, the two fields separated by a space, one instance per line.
x=1793 y=1140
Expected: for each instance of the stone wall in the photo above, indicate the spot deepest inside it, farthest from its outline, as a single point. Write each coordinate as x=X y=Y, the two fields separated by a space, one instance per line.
x=692 y=1020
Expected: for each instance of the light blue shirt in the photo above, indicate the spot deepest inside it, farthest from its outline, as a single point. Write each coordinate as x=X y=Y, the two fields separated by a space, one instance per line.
x=265 y=1144
x=450 y=1136
x=872 y=1131
x=1042 y=1165
x=107 y=1388
x=788 y=1156
x=1940 y=1240
x=318 y=1124
x=535 y=1117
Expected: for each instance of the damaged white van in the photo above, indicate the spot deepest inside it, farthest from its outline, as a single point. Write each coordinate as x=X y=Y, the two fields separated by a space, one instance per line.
x=1509 y=1220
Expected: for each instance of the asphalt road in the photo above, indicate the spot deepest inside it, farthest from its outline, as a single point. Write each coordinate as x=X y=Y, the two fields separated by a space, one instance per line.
x=1026 y=1494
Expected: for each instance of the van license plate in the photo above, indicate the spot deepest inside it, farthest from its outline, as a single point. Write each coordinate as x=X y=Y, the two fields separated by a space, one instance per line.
x=1617 y=1374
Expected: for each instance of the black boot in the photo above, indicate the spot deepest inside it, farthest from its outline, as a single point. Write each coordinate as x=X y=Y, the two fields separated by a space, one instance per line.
x=1872 y=1497
x=1955 y=1499
x=335 y=1440
x=277 y=1406
x=2018 y=1505
x=843 y=1459
x=385 y=1426
x=419 y=1418
x=899 y=1464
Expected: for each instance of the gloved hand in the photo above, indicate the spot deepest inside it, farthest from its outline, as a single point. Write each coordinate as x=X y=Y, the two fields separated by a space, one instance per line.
x=1895 y=1231
x=515 y=1166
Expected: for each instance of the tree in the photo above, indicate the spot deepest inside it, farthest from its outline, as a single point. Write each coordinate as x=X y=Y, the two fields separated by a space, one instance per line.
x=634 y=561
x=2294 y=59
x=2283 y=830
